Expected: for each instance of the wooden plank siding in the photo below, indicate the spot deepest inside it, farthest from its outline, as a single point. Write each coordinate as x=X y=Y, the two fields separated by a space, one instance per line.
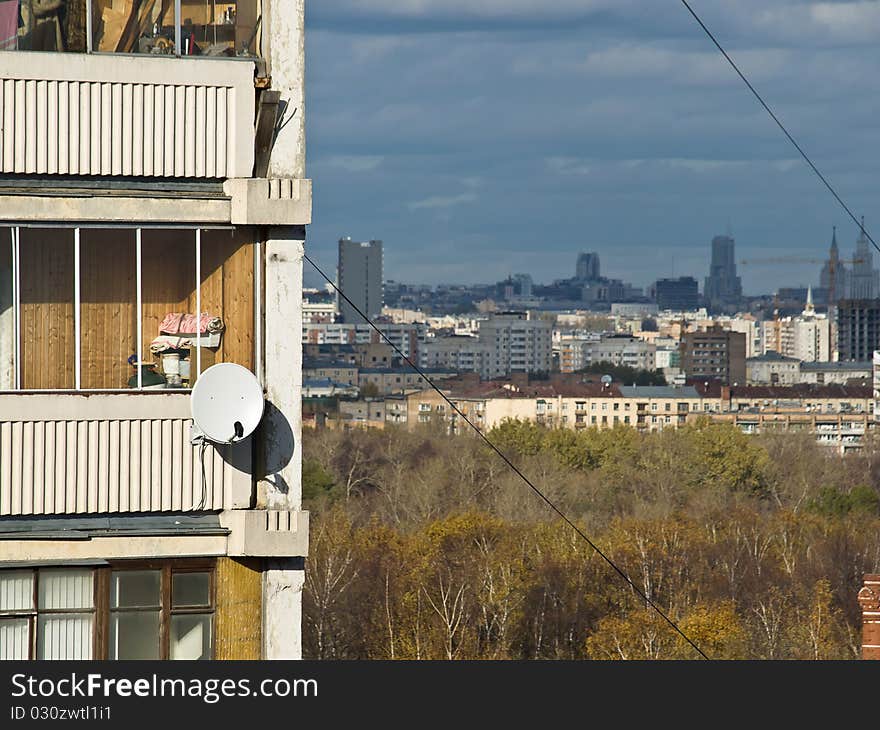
x=108 y=299
x=47 y=293
x=108 y=306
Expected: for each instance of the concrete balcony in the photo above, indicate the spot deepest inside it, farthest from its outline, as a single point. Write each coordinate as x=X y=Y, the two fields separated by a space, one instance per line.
x=100 y=453
x=131 y=116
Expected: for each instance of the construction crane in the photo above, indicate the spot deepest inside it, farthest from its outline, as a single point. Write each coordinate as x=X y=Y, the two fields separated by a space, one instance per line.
x=832 y=268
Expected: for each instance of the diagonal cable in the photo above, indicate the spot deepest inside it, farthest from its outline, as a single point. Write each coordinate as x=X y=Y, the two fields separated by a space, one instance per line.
x=509 y=463
x=779 y=124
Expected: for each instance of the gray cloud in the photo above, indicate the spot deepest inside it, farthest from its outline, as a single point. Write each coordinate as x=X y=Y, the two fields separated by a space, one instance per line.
x=610 y=126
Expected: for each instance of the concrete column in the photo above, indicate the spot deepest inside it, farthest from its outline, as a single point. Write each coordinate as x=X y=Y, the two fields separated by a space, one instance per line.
x=282 y=609
x=286 y=66
x=281 y=460
x=869 y=600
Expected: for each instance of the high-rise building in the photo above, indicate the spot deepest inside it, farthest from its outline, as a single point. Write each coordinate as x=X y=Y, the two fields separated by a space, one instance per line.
x=588 y=267
x=858 y=329
x=677 y=295
x=715 y=354
x=360 y=278
x=723 y=287
x=834 y=274
x=864 y=279
x=806 y=338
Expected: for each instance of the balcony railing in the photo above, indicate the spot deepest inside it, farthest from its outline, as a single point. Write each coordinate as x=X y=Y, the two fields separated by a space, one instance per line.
x=64 y=454
x=140 y=116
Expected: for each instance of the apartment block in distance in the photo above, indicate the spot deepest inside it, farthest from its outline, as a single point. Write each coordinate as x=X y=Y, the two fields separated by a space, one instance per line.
x=714 y=354
x=360 y=278
x=858 y=329
x=153 y=205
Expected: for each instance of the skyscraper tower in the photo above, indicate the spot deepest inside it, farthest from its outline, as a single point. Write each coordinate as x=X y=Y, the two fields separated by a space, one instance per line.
x=864 y=280
x=723 y=287
x=359 y=274
x=587 y=267
x=834 y=274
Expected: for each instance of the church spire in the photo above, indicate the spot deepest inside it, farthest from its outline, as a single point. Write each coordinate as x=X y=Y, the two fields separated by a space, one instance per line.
x=809 y=309
x=833 y=238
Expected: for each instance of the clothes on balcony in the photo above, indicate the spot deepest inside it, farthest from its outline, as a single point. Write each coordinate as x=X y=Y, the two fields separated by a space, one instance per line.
x=176 y=323
x=178 y=331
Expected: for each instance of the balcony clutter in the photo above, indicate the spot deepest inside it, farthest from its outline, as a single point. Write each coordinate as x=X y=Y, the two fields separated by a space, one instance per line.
x=178 y=335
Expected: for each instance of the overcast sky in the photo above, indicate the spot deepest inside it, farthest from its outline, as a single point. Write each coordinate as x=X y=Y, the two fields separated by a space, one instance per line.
x=478 y=138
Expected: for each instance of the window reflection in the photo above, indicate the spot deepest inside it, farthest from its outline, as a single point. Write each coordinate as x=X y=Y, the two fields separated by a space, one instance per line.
x=43 y=25
x=206 y=27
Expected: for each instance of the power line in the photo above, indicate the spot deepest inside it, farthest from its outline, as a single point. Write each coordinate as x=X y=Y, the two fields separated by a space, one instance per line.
x=507 y=461
x=780 y=124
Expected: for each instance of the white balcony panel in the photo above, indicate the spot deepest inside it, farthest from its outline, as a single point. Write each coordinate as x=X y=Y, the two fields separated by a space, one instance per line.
x=78 y=114
x=110 y=454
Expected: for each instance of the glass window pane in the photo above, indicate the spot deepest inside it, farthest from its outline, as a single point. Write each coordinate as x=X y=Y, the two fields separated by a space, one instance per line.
x=134 y=635
x=43 y=25
x=108 y=306
x=191 y=636
x=14 y=638
x=227 y=285
x=65 y=589
x=190 y=589
x=16 y=590
x=220 y=28
x=130 y=588
x=125 y=26
x=168 y=263
x=7 y=314
x=48 y=338
x=64 y=636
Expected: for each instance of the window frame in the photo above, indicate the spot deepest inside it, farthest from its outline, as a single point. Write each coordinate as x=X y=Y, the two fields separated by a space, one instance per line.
x=101 y=611
x=15 y=229
x=33 y=613
x=177 y=11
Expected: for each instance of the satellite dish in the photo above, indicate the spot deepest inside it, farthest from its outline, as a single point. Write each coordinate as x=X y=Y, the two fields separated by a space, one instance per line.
x=606 y=380
x=227 y=403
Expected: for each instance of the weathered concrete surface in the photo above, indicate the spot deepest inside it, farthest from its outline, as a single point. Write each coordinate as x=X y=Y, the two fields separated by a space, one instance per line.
x=272 y=202
x=286 y=66
x=114 y=209
x=282 y=423
x=282 y=609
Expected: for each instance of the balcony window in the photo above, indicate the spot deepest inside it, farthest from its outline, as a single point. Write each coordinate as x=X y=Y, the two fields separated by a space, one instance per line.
x=113 y=308
x=228 y=28
x=163 y=611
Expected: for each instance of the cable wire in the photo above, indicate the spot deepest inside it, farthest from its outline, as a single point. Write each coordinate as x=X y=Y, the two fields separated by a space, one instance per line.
x=779 y=124
x=509 y=463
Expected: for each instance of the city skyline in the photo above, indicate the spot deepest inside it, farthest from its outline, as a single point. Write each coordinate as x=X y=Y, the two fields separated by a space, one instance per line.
x=794 y=274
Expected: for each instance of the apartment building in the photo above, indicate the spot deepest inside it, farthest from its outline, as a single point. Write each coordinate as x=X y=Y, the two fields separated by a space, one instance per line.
x=517 y=343
x=838 y=416
x=408 y=338
x=772 y=369
x=620 y=350
x=714 y=354
x=506 y=343
x=153 y=205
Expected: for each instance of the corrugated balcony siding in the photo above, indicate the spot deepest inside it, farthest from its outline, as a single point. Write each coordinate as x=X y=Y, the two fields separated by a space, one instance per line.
x=111 y=465
x=105 y=117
